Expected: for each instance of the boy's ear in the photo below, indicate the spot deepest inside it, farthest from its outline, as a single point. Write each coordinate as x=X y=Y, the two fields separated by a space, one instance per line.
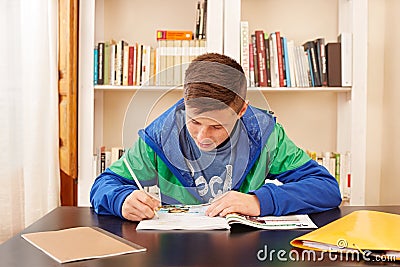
x=243 y=109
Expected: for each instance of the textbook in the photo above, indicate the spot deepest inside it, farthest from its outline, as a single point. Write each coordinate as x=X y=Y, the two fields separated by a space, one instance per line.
x=192 y=217
x=80 y=243
x=361 y=231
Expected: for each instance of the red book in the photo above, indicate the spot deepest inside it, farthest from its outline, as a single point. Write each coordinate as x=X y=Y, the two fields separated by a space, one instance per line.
x=262 y=66
x=280 y=60
x=130 y=65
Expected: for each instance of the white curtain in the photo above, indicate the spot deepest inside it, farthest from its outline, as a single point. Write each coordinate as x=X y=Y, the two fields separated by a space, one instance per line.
x=29 y=166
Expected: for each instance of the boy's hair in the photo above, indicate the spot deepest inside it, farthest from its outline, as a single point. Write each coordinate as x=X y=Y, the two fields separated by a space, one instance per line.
x=214 y=82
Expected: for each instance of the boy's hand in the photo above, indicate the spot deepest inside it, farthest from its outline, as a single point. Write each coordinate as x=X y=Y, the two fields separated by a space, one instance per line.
x=233 y=201
x=139 y=206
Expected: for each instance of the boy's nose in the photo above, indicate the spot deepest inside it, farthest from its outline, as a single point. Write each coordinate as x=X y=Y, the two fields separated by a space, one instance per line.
x=203 y=133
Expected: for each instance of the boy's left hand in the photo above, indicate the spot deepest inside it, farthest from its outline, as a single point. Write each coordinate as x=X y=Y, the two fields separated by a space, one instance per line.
x=234 y=201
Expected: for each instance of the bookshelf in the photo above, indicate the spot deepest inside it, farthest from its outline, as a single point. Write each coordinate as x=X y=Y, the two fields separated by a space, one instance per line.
x=332 y=116
x=102 y=108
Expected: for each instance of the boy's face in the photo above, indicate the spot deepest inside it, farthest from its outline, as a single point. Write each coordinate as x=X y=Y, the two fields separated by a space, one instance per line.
x=211 y=128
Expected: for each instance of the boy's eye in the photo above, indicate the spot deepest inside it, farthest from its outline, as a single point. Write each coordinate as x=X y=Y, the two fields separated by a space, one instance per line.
x=195 y=122
x=217 y=127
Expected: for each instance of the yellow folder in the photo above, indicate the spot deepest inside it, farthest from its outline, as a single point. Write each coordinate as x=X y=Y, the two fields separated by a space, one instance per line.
x=362 y=230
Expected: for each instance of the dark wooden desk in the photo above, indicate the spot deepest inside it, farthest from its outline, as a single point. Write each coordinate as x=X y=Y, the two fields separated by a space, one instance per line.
x=239 y=247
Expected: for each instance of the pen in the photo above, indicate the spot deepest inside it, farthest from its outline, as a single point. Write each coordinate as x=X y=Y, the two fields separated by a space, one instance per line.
x=137 y=182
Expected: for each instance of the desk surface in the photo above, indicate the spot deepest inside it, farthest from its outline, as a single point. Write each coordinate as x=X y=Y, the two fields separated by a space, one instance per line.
x=238 y=247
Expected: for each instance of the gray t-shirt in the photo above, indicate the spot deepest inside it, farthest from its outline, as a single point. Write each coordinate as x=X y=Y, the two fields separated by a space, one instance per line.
x=211 y=170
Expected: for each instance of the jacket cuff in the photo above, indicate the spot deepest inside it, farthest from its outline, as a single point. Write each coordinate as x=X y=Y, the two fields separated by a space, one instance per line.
x=267 y=205
x=119 y=200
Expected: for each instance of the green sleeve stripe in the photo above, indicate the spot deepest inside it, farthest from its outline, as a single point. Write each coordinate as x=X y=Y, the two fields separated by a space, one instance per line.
x=284 y=154
x=141 y=161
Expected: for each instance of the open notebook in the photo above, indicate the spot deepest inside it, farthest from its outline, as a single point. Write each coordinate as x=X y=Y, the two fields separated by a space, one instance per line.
x=362 y=231
x=192 y=217
x=80 y=243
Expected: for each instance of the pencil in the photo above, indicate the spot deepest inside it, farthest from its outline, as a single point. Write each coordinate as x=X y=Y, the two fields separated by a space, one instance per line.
x=137 y=182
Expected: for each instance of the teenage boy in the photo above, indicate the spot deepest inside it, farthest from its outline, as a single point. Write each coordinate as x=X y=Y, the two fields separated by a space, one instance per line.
x=213 y=147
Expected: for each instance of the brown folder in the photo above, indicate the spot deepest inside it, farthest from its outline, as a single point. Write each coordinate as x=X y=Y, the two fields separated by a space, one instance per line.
x=80 y=243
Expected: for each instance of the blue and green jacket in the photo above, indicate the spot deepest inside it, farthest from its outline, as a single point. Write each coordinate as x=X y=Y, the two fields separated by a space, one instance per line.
x=157 y=159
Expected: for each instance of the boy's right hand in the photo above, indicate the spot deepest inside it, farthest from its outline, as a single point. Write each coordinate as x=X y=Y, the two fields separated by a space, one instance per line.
x=139 y=206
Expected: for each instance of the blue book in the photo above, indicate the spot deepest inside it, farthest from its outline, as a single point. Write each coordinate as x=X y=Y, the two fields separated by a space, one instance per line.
x=286 y=58
x=310 y=66
x=95 y=66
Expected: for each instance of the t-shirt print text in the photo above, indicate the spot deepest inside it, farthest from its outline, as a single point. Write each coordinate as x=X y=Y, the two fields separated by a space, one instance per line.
x=216 y=185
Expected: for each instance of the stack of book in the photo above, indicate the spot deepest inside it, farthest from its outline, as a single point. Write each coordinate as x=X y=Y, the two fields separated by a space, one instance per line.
x=105 y=157
x=339 y=166
x=174 y=56
x=119 y=63
x=271 y=60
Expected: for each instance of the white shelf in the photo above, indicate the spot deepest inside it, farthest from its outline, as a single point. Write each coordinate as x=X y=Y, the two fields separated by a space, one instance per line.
x=263 y=89
x=135 y=88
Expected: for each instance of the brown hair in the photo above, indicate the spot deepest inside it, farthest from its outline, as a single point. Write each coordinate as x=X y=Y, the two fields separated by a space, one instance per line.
x=214 y=82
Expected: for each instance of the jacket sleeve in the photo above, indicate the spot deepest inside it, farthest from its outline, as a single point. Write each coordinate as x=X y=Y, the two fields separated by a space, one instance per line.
x=307 y=187
x=111 y=187
x=109 y=191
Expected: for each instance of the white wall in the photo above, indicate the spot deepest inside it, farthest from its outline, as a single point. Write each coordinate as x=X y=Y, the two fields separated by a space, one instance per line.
x=390 y=179
x=376 y=42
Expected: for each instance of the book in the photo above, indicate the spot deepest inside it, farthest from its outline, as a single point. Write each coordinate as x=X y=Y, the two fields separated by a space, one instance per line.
x=346 y=47
x=131 y=57
x=177 y=65
x=125 y=64
x=273 y=52
x=204 y=21
x=185 y=58
x=162 y=63
x=174 y=35
x=255 y=60
x=262 y=66
x=113 y=55
x=139 y=62
x=107 y=62
x=310 y=47
x=320 y=45
x=100 y=61
x=192 y=217
x=244 y=49
x=95 y=65
x=358 y=231
x=334 y=64
x=292 y=64
x=307 y=69
x=119 y=62
x=267 y=58
x=280 y=59
x=81 y=243
x=300 y=74
x=251 y=66
x=285 y=61
x=170 y=54
x=146 y=56
x=197 y=28
x=153 y=66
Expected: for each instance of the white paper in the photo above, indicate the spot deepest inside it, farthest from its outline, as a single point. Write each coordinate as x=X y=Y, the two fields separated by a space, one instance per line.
x=183 y=218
